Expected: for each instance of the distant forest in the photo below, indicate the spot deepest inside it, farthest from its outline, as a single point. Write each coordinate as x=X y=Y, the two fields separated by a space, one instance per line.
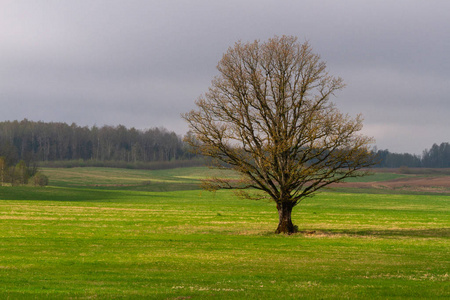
x=438 y=156
x=43 y=142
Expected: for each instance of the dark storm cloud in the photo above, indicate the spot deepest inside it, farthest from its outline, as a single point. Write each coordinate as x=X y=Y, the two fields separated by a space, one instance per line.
x=142 y=63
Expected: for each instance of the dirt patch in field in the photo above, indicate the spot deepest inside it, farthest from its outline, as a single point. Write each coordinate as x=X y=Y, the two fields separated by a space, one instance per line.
x=435 y=184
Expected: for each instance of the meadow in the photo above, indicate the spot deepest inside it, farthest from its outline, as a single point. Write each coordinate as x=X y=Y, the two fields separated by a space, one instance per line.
x=98 y=233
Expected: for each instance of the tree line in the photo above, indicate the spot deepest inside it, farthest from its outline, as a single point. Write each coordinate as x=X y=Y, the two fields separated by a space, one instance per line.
x=40 y=141
x=60 y=144
x=438 y=156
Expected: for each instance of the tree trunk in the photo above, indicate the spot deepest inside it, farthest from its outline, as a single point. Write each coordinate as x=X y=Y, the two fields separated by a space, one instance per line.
x=285 y=224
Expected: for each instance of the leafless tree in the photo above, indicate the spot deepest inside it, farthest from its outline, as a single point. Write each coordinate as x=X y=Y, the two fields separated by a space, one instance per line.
x=268 y=116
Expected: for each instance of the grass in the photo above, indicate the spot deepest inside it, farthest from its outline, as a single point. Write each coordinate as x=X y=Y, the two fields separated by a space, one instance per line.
x=375 y=177
x=155 y=180
x=121 y=179
x=102 y=233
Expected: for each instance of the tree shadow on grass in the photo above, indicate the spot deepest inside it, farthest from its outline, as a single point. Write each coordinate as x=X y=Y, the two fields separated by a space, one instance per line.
x=387 y=233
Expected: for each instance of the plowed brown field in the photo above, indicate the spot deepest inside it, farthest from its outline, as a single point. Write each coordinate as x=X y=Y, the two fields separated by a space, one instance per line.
x=434 y=184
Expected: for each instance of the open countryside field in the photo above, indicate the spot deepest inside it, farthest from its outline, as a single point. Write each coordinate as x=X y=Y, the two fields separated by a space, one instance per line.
x=115 y=233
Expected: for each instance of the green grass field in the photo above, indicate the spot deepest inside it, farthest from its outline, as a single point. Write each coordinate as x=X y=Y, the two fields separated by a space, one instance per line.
x=112 y=233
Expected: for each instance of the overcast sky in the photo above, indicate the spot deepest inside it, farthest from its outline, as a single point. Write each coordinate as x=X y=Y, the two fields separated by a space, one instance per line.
x=143 y=63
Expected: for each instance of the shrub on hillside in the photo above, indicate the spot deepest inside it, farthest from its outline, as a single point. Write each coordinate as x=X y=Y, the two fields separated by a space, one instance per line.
x=39 y=179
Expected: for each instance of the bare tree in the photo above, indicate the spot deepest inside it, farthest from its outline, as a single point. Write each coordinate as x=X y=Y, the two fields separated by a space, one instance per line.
x=268 y=116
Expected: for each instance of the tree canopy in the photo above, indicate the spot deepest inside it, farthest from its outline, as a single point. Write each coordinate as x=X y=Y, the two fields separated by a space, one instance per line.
x=268 y=115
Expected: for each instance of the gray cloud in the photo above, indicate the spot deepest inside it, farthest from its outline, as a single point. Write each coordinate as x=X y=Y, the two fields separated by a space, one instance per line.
x=142 y=63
